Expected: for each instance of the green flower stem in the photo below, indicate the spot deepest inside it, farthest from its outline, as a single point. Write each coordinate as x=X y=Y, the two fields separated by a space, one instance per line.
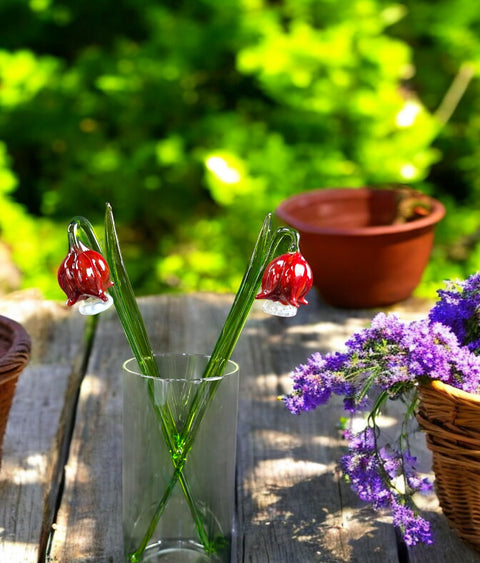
x=268 y=246
x=177 y=475
x=137 y=336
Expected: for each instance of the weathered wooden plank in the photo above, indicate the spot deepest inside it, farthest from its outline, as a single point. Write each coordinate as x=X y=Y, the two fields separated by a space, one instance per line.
x=86 y=528
x=34 y=447
x=294 y=506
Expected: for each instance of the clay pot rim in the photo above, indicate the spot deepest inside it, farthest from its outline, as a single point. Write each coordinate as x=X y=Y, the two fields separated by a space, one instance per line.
x=284 y=212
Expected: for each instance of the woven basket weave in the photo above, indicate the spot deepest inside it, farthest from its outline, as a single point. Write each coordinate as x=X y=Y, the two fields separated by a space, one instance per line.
x=14 y=356
x=451 y=419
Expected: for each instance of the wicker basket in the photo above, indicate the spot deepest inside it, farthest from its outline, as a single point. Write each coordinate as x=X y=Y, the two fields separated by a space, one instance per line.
x=14 y=356
x=451 y=419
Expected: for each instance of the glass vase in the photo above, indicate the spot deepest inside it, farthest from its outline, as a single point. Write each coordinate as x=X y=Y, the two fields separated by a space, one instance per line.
x=179 y=447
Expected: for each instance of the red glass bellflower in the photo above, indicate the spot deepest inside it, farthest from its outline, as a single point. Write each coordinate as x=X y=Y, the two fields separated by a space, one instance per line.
x=286 y=281
x=84 y=275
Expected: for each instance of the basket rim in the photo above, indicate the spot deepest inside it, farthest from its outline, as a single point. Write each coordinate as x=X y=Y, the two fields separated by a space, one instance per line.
x=443 y=387
x=18 y=354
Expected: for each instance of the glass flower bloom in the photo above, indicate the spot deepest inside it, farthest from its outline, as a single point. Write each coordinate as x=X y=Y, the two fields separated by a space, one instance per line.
x=84 y=276
x=285 y=282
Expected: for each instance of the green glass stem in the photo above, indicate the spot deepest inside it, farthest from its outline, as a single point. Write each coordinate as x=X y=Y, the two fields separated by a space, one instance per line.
x=178 y=475
x=137 y=336
x=267 y=247
x=179 y=444
x=132 y=321
x=175 y=448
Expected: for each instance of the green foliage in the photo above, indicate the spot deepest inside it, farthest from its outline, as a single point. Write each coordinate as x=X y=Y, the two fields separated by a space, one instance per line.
x=25 y=234
x=194 y=119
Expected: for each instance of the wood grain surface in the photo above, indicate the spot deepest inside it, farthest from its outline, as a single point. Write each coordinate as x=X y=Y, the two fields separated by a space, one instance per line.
x=60 y=483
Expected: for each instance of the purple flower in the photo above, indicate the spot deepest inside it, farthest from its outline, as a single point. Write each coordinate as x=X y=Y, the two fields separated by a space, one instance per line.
x=315 y=381
x=363 y=469
x=414 y=481
x=387 y=360
x=458 y=308
x=311 y=385
x=371 y=471
x=414 y=528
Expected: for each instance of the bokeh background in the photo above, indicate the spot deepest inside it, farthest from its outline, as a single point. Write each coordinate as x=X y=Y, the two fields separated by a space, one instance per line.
x=195 y=118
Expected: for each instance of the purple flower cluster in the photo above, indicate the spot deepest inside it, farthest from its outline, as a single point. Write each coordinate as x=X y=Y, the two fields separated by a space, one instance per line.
x=390 y=354
x=361 y=466
x=458 y=308
x=387 y=360
x=372 y=472
x=414 y=528
x=316 y=381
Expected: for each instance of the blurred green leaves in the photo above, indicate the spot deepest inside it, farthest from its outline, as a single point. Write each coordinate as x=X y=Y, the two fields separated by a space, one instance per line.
x=195 y=118
x=23 y=76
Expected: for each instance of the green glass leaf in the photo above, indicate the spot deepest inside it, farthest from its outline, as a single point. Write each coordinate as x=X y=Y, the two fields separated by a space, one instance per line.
x=125 y=301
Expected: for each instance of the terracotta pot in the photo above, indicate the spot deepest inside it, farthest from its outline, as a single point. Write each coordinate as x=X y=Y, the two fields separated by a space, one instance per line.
x=14 y=356
x=358 y=257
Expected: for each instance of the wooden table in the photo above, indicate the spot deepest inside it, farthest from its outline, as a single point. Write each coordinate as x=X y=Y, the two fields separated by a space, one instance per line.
x=60 y=481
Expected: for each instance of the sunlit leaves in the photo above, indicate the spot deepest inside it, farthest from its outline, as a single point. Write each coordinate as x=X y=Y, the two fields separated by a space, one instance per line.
x=22 y=75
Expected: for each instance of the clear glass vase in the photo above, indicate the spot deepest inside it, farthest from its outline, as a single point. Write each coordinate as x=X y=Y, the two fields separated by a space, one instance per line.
x=179 y=460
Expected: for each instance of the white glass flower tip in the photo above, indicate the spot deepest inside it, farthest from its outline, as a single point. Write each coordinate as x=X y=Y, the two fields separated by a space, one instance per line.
x=278 y=309
x=94 y=305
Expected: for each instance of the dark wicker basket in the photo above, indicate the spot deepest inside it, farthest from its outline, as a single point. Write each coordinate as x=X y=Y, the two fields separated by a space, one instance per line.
x=14 y=356
x=451 y=419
